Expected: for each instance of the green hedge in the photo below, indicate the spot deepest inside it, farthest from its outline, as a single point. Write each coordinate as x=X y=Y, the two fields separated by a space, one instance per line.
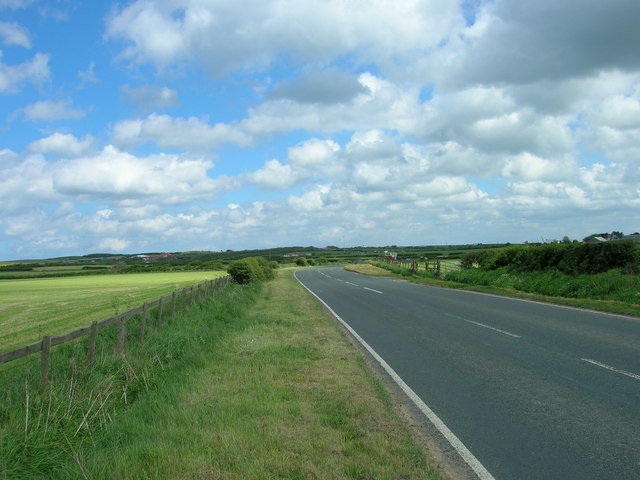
x=573 y=258
x=250 y=270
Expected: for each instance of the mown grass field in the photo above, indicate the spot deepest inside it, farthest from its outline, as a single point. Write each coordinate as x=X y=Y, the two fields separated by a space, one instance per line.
x=256 y=382
x=30 y=308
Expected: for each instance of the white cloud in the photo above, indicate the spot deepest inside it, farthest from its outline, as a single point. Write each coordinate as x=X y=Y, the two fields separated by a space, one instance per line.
x=384 y=105
x=25 y=182
x=313 y=153
x=227 y=36
x=50 y=110
x=14 y=34
x=88 y=75
x=168 y=132
x=63 y=144
x=275 y=175
x=13 y=76
x=113 y=174
x=529 y=167
x=15 y=4
x=325 y=86
x=546 y=39
x=112 y=245
x=151 y=97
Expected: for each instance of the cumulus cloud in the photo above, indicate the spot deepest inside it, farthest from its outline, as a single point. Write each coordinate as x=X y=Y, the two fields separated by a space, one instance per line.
x=111 y=244
x=52 y=110
x=227 y=36
x=514 y=43
x=151 y=97
x=383 y=105
x=35 y=71
x=63 y=144
x=275 y=176
x=326 y=86
x=14 y=34
x=25 y=182
x=114 y=174
x=168 y=132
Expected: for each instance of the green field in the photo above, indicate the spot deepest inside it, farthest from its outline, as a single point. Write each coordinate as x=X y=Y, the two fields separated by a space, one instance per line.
x=31 y=308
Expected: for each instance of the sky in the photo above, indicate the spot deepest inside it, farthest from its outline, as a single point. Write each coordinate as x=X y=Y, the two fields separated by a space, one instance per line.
x=176 y=125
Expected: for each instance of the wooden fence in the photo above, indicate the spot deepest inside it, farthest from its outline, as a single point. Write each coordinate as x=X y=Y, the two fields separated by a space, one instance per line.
x=185 y=298
x=437 y=265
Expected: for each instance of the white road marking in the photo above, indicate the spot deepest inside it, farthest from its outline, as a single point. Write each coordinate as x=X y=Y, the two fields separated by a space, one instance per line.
x=613 y=369
x=371 y=289
x=352 y=284
x=504 y=332
x=463 y=451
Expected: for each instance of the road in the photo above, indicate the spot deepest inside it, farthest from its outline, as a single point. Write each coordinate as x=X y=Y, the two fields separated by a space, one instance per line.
x=531 y=390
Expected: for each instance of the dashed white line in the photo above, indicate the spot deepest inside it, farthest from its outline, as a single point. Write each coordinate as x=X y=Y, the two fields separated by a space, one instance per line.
x=504 y=332
x=372 y=290
x=349 y=283
x=613 y=369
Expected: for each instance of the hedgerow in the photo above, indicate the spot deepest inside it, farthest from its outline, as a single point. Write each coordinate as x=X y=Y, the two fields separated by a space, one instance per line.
x=572 y=258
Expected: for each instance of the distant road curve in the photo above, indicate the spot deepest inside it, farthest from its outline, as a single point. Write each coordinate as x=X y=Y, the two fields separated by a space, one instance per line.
x=523 y=390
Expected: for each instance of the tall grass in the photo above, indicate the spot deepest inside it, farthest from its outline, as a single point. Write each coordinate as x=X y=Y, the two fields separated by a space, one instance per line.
x=41 y=435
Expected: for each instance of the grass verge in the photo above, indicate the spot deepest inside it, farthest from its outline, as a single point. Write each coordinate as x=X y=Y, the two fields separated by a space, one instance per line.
x=261 y=385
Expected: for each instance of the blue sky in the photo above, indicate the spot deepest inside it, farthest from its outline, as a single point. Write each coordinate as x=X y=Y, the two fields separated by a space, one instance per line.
x=174 y=125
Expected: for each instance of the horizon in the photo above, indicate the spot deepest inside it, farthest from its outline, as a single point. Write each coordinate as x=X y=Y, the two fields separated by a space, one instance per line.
x=208 y=126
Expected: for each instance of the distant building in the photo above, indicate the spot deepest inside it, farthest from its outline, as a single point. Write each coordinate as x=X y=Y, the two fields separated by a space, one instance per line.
x=634 y=237
x=596 y=240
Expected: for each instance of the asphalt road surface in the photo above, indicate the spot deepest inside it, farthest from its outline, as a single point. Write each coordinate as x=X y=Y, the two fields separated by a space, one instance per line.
x=531 y=390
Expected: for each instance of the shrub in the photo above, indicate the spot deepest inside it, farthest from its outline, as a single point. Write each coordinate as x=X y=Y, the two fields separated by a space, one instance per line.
x=250 y=269
x=301 y=261
x=572 y=258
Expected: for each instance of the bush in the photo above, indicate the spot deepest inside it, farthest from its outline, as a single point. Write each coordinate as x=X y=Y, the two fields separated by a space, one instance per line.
x=572 y=258
x=250 y=270
x=301 y=262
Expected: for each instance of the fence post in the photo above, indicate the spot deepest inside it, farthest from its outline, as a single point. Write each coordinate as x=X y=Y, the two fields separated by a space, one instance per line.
x=173 y=304
x=437 y=267
x=159 y=313
x=121 y=335
x=91 y=350
x=44 y=362
x=143 y=321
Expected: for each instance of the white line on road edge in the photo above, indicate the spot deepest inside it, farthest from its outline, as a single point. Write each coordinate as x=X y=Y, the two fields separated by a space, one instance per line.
x=613 y=369
x=371 y=289
x=467 y=456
